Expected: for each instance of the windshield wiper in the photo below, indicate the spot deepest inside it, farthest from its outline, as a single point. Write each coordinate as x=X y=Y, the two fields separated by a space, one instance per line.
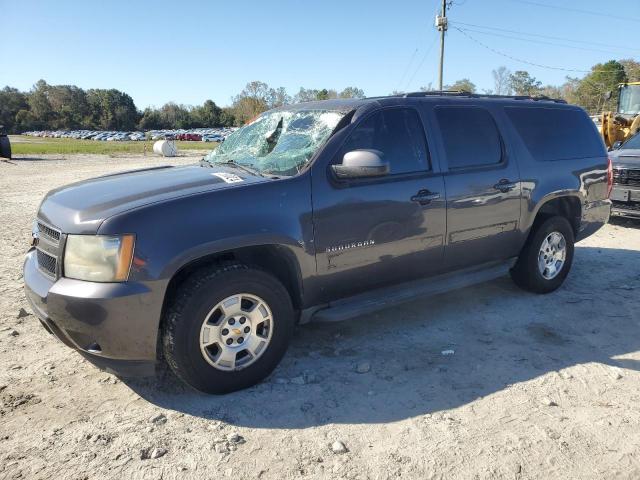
x=231 y=163
x=246 y=168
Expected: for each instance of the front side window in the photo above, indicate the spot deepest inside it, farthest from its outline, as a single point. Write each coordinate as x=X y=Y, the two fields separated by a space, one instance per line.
x=277 y=142
x=398 y=134
x=470 y=137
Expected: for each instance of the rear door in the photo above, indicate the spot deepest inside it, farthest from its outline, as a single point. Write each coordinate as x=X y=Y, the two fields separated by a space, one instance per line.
x=483 y=187
x=374 y=232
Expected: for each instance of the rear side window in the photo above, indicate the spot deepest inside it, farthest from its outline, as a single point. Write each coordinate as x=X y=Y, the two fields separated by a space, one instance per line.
x=556 y=133
x=470 y=136
x=398 y=134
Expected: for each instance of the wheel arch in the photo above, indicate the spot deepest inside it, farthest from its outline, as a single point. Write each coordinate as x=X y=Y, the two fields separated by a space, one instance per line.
x=567 y=205
x=276 y=259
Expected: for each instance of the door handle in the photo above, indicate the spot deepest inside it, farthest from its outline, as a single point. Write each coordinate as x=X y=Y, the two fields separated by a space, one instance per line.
x=505 y=185
x=424 y=197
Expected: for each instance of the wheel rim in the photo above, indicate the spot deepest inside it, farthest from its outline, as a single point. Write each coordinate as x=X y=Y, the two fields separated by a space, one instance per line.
x=552 y=255
x=236 y=332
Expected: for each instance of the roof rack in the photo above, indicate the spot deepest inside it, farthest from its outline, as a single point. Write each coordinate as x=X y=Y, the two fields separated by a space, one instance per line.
x=463 y=93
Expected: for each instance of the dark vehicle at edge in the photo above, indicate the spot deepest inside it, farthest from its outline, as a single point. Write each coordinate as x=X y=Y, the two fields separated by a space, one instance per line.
x=625 y=196
x=5 y=144
x=322 y=210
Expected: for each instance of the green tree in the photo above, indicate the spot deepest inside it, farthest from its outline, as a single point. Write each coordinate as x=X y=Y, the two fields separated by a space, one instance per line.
x=279 y=97
x=524 y=84
x=69 y=105
x=552 y=91
x=12 y=101
x=591 y=92
x=254 y=99
x=41 y=111
x=631 y=69
x=111 y=110
x=206 y=115
x=464 y=85
x=351 y=92
x=150 y=120
x=227 y=117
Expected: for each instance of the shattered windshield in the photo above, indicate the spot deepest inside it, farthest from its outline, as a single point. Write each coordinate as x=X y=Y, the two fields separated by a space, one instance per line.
x=279 y=142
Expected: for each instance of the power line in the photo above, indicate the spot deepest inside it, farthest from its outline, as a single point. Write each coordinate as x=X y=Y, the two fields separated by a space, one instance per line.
x=540 y=42
x=578 y=10
x=406 y=70
x=424 y=57
x=546 y=36
x=520 y=60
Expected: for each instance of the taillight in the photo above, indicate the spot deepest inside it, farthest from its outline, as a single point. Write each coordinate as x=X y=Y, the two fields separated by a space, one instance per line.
x=609 y=178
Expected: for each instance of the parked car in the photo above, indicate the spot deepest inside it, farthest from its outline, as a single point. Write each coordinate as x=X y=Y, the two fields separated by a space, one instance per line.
x=626 y=178
x=323 y=210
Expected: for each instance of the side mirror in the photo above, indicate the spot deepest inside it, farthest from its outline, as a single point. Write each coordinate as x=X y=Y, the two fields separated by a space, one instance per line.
x=608 y=94
x=362 y=164
x=616 y=145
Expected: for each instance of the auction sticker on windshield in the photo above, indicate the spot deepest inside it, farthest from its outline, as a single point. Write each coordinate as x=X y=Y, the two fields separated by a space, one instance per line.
x=228 y=177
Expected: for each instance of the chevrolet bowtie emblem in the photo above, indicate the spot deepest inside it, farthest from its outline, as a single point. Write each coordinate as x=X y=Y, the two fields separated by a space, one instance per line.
x=35 y=237
x=237 y=331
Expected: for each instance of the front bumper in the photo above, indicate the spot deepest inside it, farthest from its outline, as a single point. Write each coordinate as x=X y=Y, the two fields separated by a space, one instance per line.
x=626 y=201
x=115 y=325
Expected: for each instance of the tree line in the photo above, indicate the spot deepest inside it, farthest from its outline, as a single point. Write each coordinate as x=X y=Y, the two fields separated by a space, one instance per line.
x=67 y=107
x=591 y=92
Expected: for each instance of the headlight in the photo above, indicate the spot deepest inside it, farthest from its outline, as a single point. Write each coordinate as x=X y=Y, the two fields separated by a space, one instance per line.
x=98 y=258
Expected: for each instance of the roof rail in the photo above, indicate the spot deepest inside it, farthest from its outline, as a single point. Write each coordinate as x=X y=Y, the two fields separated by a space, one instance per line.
x=463 y=93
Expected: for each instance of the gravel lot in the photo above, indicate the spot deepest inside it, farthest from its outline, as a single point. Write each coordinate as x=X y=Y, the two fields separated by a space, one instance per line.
x=536 y=387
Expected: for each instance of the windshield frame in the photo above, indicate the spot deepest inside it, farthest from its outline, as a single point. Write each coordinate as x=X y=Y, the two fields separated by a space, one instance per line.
x=626 y=93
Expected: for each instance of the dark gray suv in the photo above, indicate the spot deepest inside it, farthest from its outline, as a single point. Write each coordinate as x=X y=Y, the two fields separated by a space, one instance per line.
x=323 y=210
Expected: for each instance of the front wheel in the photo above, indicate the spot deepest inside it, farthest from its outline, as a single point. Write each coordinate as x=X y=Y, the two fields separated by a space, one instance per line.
x=546 y=258
x=227 y=328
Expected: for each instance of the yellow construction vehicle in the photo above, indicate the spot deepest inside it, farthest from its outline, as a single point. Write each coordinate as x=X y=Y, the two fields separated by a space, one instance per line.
x=619 y=126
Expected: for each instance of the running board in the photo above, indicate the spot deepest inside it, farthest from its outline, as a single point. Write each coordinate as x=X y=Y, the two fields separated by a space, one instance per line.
x=374 y=300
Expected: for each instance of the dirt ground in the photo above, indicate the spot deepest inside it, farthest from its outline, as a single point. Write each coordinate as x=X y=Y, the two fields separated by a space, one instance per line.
x=544 y=387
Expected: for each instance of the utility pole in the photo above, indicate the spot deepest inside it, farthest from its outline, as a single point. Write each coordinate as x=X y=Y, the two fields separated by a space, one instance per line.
x=441 y=25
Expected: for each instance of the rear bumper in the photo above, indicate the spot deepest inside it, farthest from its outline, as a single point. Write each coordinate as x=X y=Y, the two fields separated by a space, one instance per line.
x=594 y=216
x=115 y=325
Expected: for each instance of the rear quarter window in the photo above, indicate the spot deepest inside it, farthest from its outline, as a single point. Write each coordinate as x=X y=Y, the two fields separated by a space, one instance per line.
x=556 y=133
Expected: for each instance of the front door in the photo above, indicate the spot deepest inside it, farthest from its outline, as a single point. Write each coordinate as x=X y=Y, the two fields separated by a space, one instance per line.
x=373 y=232
x=483 y=188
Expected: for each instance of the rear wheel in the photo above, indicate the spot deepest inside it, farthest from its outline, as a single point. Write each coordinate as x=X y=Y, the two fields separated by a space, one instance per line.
x=227 y=328
x=546 y=258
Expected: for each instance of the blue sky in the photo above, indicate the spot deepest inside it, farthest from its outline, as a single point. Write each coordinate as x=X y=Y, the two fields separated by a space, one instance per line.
x=189 y=51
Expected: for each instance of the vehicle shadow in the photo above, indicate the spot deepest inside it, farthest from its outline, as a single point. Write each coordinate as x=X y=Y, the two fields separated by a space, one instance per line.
x=625 y=222
x=15 y=159
x=500 y=336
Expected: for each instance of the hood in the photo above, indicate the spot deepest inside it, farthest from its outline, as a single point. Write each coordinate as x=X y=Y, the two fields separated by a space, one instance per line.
x=625 y=157
x=81 y=207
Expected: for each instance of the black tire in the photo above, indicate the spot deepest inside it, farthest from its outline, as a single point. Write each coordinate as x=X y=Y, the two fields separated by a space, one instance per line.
x=526 y=273
x=188 y=310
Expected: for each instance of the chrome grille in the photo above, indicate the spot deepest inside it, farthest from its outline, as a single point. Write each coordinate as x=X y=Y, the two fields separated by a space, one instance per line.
x=626 y=176
x=48 y=232
x=47 y=263
x=49 y=244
